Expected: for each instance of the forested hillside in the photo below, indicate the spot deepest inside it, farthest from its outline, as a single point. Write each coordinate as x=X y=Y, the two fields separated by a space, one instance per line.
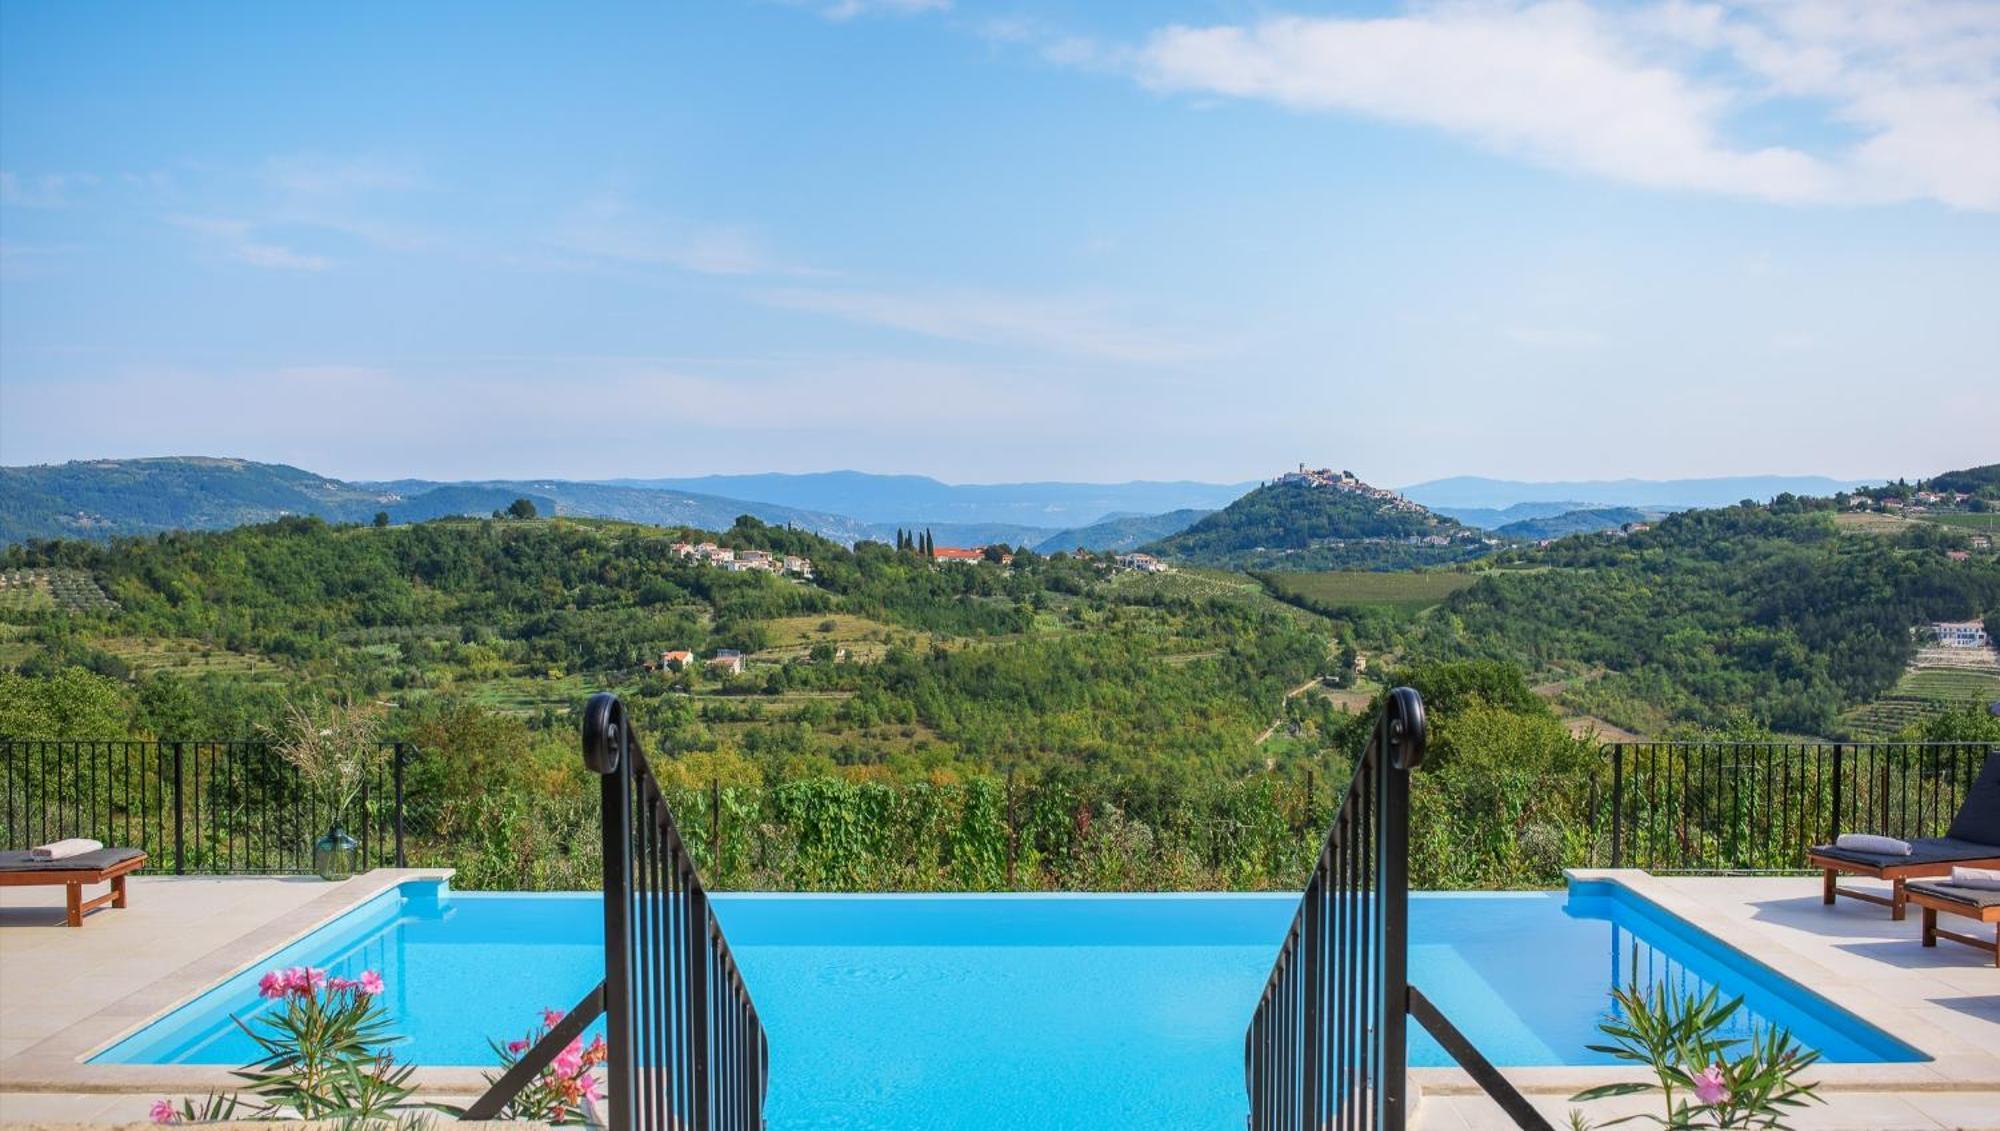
x=1764 y=614
x=1163 y=730
x=108 y=498
x=882 y=656
x=1573 y=522
x=1292 y=524
x=1127 y=532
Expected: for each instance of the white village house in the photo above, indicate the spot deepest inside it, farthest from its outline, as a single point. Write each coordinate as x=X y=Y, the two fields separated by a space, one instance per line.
x=1961 y=634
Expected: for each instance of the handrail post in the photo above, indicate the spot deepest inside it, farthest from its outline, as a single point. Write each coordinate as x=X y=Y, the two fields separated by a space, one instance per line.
x=1833 y=820
x=180 y=827
x=1400 y=743
x=620 y=1093
x=698 y=991
x=399 y=805
x=1617 y=805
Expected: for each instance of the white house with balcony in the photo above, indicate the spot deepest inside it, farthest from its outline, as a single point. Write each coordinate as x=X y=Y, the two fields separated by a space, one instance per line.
x=1961 y=634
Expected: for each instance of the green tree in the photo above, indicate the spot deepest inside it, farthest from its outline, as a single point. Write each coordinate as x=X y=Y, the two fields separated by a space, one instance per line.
x=521 y=508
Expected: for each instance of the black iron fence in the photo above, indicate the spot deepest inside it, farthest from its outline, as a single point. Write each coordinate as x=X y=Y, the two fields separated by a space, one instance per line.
x=194 y=807
x=685 y=1048
x=1329 y=1043
x=1757 y=806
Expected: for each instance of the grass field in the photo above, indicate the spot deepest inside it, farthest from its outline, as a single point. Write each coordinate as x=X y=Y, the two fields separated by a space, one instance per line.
x=1983 y=523
x=1226 y=585
x=528 y=695
x=1867 y=522
x=1407 y=593
x=865 y=639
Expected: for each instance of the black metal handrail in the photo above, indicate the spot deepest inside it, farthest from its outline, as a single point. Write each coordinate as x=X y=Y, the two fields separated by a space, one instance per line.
x=1758 y=806
x=1329 y=1043
x=192 y=806
x=685 y=1049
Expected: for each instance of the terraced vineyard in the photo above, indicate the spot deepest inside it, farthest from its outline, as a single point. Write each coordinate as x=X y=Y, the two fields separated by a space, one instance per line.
x=38 y=590
x=185 y=656
x=1937 y=680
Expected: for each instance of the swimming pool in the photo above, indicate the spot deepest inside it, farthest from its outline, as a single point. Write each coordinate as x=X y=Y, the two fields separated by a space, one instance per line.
x=1103 y=1011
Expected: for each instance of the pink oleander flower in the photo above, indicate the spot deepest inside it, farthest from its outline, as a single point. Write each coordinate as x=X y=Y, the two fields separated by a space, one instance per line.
x=163 y=1112
x=518 y=1046
x=591 y=1086
x=551 y=1018
x=271 y=985
x=369 y=983
x=569 y=1061
x=1709 y=1086
x=340 y=985
x=304 y=979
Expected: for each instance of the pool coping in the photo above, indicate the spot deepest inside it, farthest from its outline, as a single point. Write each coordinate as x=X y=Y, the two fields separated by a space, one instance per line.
x=1956 y=1064
x=58 y=1063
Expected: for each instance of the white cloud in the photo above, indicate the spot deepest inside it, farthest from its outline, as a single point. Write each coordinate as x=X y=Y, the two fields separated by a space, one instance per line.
x=1647 y=94
x=238 y=240
x=1070 y=327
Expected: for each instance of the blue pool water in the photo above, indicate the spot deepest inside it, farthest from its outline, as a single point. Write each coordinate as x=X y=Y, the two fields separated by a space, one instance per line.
x=1008 y=1011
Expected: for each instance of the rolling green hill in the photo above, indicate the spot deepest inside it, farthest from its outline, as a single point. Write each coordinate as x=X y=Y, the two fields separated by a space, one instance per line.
x=1971 y=480
x=98 y=499
x=1574 y=522
x=1300 y=522
x=1126 y=532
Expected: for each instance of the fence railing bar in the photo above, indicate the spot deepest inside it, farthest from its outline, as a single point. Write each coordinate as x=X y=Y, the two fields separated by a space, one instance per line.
x=1490 y=1079
x=532 y=1062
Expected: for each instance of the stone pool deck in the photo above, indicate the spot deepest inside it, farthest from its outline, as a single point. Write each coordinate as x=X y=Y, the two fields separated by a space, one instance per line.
x=65 y=993
x=1944 y=1001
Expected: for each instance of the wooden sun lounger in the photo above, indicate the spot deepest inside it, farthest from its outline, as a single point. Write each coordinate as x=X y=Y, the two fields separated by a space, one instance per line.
x=1929 y=859
x=1972 y=841
x=1976 y=904
x=112 y=865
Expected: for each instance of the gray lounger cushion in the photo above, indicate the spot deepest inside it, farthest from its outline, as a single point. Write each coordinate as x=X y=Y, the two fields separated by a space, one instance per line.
x=1941 y=850
x=1971 y=897
x=83 y=862
x=1978 y=819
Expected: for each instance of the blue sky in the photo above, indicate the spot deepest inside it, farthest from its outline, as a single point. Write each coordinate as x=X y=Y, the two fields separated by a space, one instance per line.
x=1004 y=241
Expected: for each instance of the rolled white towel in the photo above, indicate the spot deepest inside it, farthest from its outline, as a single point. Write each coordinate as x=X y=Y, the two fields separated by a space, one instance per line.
x=1869 y=842
x=64 y=849
x=1985 y=879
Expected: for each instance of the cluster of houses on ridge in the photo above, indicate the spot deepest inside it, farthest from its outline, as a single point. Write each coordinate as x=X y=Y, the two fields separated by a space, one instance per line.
x=1919 y=502
x=1349 y=482
x=726 y=661
x=744 y=561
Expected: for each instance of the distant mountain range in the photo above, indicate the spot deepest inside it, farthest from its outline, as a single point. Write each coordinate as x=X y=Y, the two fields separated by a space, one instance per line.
x=1472 y=491
x=918 y=499
x=103 y=498
x=1588 y=521
x=1492 y=518
x=1125 y=532
x=106 y=498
